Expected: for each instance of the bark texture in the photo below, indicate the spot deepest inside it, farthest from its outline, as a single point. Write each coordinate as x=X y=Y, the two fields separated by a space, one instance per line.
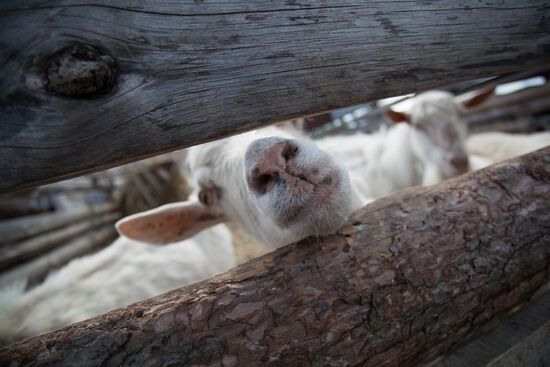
x=408 y=278
x=89 y=85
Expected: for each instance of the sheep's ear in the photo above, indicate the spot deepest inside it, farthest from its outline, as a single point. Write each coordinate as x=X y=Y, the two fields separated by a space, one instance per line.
x=396 y=117
x=168 y=223
x=479 y=98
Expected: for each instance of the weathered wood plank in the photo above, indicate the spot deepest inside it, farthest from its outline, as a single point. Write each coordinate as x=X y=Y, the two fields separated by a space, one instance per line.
x=15 y=207
x=35 y=270
x=510 y=110
x=192 y=71
x=18 y=229
x=14 y=255
x=409 y=277
x=508 y=342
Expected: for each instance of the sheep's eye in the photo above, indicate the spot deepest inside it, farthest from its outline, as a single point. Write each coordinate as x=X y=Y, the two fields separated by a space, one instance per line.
x=289 y=152
x=209 y=195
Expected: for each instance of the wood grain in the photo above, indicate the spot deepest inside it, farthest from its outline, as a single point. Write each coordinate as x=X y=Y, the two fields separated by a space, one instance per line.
x=408 y=278
x=187 y=72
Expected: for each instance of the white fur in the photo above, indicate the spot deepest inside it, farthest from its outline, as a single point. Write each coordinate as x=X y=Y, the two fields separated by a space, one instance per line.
x=497 y=146
x=123 y=273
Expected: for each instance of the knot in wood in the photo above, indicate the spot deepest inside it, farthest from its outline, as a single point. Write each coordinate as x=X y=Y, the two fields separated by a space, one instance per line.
x=80 y=71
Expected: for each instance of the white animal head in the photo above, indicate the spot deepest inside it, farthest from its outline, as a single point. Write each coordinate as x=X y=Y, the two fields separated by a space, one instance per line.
x=274 y=183
x=437 y=117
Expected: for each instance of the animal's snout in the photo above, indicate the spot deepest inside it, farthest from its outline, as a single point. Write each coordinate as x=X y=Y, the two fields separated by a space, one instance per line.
x=461 y=164
x=270 y=158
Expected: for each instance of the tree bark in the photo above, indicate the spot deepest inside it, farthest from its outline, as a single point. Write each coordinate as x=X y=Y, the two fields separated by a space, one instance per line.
x=86 y=86
x=408 y=278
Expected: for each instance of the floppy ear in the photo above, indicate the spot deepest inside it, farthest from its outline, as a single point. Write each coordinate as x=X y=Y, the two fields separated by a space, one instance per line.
x=168 y=223
x=396 y=117
x=479 y=98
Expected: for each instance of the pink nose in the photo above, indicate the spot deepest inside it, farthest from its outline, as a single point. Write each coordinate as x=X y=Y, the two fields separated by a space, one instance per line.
x=270 y=163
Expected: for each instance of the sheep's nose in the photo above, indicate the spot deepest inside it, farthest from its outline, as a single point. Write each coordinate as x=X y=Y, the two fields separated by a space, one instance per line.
x=461 y=164
x=270 y=162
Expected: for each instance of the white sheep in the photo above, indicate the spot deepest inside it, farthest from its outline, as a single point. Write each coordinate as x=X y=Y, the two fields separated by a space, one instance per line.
x=123 y=273
x=425 y=146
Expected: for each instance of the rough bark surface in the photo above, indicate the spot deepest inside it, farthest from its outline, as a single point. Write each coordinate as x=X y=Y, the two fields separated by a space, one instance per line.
x=409 y=277
x=89 y=85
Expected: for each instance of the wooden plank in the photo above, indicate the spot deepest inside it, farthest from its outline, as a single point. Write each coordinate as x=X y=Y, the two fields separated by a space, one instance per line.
x=492 y=119
x=408 y=277
x=14 y=207
x=13 y=255
x=512 y=99
x=509 y=340
x=533 y=351
x=513 y=112
x=192 y=71
x=36 y=270
x=18 y=229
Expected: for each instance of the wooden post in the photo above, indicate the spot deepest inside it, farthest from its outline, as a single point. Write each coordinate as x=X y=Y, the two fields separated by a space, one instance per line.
x=410 y=276
x=86 y=86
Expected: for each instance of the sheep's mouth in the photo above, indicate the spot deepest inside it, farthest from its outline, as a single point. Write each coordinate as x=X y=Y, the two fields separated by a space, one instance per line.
x=317 y=195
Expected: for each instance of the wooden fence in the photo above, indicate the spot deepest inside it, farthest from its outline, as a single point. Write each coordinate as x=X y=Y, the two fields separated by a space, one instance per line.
x=86 y=86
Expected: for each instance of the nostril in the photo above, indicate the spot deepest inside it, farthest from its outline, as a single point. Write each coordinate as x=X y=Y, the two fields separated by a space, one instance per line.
x=289 y=151
x=263 y=180
x=261 y=183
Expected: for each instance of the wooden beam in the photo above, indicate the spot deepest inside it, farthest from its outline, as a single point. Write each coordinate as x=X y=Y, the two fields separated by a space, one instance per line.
x=86 y=86
x=36 y=270
x=18 y=229
x=11 y=256
x=409 y=277
x=511 y=112
x=16 y=207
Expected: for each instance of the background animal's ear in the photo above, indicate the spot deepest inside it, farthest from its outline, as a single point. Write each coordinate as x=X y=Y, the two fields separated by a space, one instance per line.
x=479 y=97
x=168 y=223
x=396 y=117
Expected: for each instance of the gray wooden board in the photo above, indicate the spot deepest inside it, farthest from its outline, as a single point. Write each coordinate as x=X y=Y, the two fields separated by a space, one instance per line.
x=192 y=71
x=514 y=342
x=21 y=228
x=35 y=270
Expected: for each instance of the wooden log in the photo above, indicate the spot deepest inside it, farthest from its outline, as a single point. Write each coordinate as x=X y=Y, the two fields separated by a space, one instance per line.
x=410 y=276
x=517 y=98
x=19 y=229
x=15 y=207
x=88 y=86
x=86 y=183
x=500 y=119
x=14 y=255
x=36 y=270
x=500 y=113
